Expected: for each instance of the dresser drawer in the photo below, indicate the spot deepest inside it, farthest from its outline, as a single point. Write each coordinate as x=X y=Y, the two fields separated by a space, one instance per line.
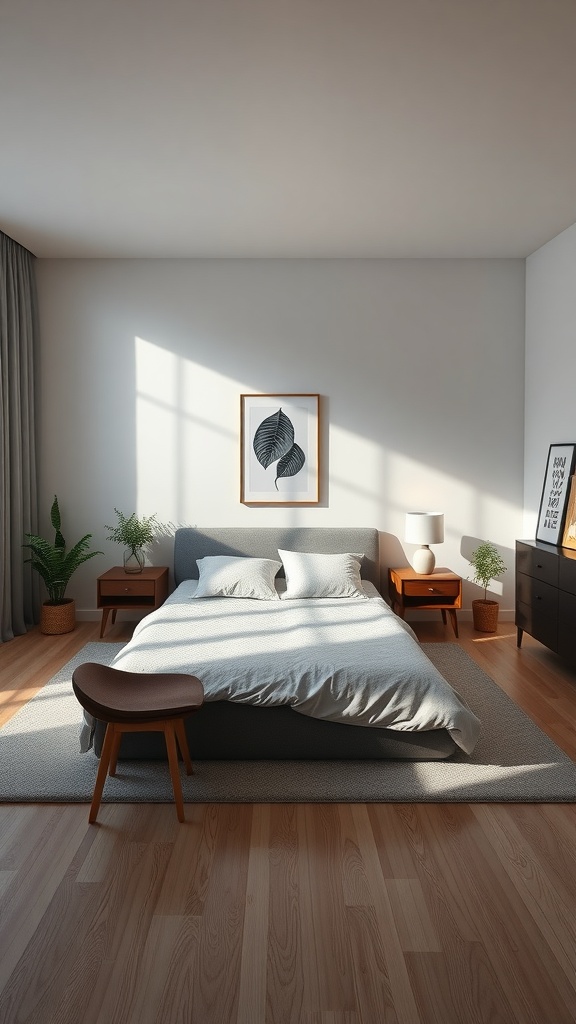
x=541 y=626
x=567 y=627
x=121 y=588
x=567 y=574
x=536 y=594
x=537 y=609
x=536 y=562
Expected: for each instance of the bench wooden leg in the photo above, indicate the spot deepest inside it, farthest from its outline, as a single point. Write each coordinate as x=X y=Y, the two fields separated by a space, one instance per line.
x=107 y=747
x=170 y=737
x=175 y=737
x=115 y=750
x=180 y=731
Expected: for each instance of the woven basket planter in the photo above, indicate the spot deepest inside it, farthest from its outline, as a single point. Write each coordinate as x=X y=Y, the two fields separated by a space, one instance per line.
x=485 y=615
x=58 y=618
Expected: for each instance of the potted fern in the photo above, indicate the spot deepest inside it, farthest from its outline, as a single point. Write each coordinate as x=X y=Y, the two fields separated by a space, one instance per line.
x=56 y=565
x=134 y=533
x=488 y=565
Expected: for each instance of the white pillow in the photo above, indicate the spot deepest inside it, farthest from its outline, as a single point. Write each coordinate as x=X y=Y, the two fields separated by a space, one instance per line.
x=231 y=576
x=311 y=575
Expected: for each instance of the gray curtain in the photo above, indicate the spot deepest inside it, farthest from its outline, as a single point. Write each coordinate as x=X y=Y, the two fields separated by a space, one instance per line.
x=19 y=600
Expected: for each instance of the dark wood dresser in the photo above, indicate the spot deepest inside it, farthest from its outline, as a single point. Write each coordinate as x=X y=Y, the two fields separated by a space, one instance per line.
x=546 y=596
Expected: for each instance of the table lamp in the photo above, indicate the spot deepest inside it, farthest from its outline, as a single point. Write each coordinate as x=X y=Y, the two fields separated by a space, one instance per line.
x=424 y=528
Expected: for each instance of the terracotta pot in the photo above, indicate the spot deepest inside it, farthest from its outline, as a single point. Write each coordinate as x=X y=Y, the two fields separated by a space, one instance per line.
x=485 y=615
x=58 y=618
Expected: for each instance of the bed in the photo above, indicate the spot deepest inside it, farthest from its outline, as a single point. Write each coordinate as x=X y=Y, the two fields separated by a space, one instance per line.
x=300 y=659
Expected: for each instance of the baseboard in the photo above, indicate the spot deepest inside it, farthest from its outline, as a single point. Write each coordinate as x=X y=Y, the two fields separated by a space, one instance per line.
x=95 y=615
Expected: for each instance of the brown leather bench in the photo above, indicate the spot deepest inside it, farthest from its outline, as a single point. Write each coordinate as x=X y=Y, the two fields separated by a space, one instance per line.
x=138 y=702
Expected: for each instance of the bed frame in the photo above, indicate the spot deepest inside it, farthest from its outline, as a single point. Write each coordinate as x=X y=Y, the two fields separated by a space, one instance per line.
x=224 y=730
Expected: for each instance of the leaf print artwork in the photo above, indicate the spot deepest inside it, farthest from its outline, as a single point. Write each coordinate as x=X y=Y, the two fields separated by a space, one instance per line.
x=279 y=449
x=274 y=442
x=273 y=438
x=290 y=464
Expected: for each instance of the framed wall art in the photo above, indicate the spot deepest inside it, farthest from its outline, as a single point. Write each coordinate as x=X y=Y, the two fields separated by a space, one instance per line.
x=552 y=514
x=279 y=449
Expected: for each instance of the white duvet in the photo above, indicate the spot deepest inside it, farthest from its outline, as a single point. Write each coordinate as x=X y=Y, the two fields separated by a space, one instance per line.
x=344 y=660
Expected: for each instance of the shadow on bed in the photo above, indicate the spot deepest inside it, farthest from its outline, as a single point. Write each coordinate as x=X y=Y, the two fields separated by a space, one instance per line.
x=222 y=731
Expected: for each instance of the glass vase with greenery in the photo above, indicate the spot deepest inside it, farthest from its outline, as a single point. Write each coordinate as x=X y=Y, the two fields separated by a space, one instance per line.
x=135 y=533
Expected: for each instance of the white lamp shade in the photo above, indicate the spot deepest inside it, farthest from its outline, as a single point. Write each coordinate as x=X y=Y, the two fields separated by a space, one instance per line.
x=425 y=527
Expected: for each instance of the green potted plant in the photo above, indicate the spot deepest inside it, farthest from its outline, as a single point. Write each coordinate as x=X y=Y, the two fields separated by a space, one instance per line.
x=134 y=533
x=56 y=565
x=488 y=565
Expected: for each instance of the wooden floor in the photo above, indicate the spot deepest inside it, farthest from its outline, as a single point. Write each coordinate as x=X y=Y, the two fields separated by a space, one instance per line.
x=331 y=914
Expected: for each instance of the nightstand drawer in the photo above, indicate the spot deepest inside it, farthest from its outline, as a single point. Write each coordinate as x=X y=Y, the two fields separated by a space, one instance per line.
x=441 y=590
x=121 y=591
x=121 y=588
x=431 y=591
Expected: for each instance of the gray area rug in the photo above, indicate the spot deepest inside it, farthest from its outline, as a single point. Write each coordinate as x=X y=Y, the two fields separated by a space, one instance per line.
x=40 y=759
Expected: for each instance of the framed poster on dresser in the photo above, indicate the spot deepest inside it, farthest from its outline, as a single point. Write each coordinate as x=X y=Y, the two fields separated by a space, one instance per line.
x=554 y=500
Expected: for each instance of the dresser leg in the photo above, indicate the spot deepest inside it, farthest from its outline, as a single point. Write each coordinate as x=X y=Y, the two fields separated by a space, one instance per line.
x=519 y=634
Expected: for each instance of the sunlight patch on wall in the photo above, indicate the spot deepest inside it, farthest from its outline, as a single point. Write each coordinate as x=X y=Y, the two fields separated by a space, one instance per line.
x=157 y=426
x=356 y=475
x=187 y=426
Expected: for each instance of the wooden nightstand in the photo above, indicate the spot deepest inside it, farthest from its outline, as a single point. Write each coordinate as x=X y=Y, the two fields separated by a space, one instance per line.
x=441 y=590
x=118 y=589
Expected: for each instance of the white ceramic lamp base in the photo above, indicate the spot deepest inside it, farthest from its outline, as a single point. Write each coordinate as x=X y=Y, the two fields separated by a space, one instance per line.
x=423 y=561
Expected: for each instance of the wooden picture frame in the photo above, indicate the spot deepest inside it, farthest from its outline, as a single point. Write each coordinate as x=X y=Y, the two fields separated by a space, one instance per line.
x=569 y=535
x=554 y=500
x=280 y=449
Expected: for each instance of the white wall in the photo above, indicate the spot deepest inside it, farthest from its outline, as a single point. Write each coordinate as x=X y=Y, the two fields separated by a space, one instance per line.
x=550 y=416
x=420 y=364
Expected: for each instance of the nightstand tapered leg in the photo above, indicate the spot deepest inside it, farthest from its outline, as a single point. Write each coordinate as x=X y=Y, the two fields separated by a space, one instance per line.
x=105 y=614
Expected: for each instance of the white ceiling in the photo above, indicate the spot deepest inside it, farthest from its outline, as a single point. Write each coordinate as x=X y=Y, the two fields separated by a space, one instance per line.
x=270 y=128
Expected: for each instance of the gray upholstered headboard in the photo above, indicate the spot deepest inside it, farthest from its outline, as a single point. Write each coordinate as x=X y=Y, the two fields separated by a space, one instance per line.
x=192 y=543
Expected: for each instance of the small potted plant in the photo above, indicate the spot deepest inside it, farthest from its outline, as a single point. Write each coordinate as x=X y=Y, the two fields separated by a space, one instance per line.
x=56 y=565
x=488 y=565
x=134 y=533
